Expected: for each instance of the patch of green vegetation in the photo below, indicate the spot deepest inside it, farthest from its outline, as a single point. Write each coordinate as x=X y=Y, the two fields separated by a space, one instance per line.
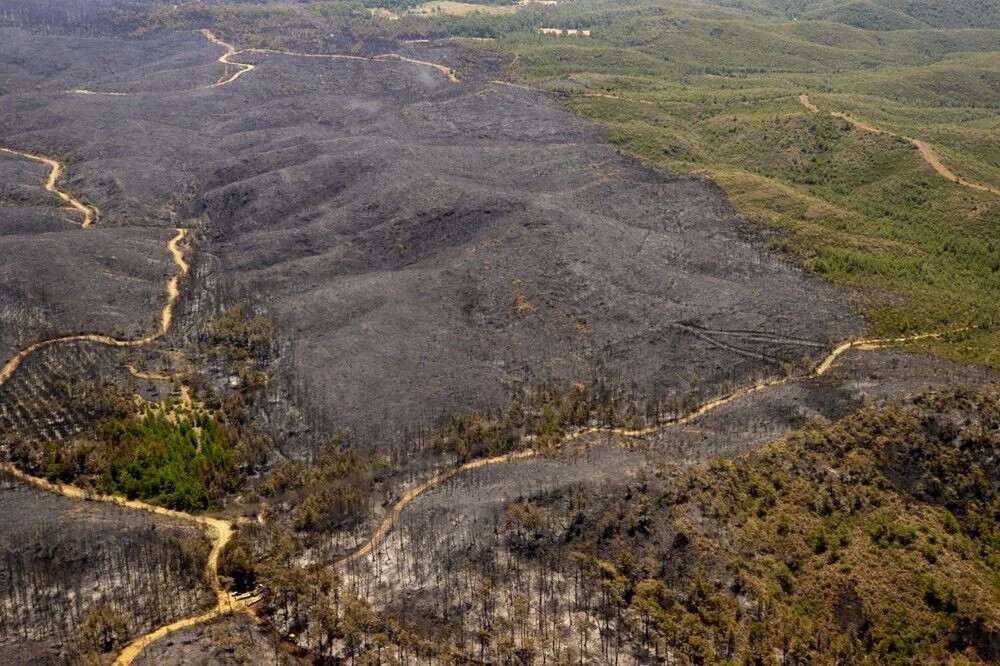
x=243 y=335
x=176 y=455
x=183 y=461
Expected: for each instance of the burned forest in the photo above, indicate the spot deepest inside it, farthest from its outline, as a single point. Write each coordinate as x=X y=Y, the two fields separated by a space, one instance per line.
x=548 y=332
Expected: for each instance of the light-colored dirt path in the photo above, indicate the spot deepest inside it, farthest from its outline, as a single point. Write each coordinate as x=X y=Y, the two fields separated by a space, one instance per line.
x=926 y=150
x=390 y=519
x=222 y=532
x=519 y=86
x=55 y=170
x=447 y=71
x=242 y=68
x=84 y=91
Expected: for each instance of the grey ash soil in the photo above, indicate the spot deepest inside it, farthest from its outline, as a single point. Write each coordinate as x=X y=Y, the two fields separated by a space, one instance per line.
x=424 y=245
x=58 y=279
x=175 y=61
x=62 y=556
x=92 y=280
x=62 y=390
x=233 y=640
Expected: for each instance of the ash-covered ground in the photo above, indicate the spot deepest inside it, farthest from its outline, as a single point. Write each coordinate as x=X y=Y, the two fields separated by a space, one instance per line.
x=231 y=640
x=424 y=245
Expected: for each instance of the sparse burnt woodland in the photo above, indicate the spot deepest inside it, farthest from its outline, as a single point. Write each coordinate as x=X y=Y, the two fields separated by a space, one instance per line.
x=80 y=579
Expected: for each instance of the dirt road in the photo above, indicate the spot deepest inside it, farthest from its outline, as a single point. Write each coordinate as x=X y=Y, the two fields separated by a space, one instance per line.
x=926 y=151
x=220 y=530
x=821 y=368
x=55 y=170
x=243 y=67
x=173 y=292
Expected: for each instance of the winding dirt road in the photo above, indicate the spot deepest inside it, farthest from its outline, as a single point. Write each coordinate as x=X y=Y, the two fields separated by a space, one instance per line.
x=55 y=170
x=243 y=67
x=225 y=601
x=447 y=71
x=165 y=316
x=926 y=151
x=221 y=530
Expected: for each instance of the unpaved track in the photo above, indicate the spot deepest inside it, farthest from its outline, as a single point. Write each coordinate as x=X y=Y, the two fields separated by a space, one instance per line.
x=55 y=170
x=243 y=67
x=225 y=602
x=221 y=531
x=447 y=71
x=926 y=151
x=165 y=316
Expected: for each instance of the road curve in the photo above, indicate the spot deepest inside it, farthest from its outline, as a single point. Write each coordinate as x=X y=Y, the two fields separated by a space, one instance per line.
x=447 y=71
x=55 y=170
x=220 y=530
x=225 y=602
x=926 y=150
x=165 y=317
x=241 y=67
